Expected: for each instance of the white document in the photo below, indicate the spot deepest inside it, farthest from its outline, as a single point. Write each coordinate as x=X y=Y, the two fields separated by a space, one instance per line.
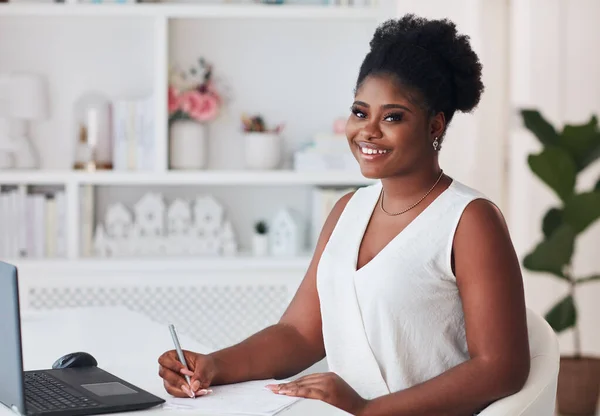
x=249 y=398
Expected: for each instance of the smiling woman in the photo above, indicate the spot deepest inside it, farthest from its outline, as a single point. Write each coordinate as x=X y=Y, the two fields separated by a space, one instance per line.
x=414 y=293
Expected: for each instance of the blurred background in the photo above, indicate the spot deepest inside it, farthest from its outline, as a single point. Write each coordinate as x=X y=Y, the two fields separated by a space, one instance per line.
x=178 y=158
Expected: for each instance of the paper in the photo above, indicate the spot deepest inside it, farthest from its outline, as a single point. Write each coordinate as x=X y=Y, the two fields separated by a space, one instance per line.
x=248 y=398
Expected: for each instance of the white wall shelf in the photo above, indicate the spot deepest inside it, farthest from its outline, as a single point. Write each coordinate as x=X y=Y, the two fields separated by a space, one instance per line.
x=241 y=262
x=224 y=177
x=190 y=11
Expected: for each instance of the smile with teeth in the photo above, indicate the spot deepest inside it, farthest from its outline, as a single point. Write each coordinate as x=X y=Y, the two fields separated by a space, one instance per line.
x=369 y=151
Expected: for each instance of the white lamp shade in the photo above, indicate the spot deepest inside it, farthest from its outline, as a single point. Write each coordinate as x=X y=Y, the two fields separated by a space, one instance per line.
x=28 y=96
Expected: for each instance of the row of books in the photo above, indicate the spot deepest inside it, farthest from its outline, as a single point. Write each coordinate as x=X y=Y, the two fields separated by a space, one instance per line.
x=133 y=134
x=32 y=225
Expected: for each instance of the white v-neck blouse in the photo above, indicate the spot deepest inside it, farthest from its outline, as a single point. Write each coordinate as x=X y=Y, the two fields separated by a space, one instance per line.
x=398 y=320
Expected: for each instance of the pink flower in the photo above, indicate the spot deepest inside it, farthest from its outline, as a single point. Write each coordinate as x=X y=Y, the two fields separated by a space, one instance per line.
x=174 y=100
x=201 y=107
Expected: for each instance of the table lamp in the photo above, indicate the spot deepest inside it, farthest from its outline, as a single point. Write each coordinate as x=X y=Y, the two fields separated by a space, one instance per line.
x=28 y=98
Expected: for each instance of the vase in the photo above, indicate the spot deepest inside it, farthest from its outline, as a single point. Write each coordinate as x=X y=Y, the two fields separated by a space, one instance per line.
x=188 y=145
x=578 y=386
x=260 y=244
x=262 y=150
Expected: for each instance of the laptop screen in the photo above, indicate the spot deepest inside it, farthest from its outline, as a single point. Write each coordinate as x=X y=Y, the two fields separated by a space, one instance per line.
x=11 y=360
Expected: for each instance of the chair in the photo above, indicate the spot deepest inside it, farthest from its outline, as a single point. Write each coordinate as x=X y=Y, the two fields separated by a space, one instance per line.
x=538 y=396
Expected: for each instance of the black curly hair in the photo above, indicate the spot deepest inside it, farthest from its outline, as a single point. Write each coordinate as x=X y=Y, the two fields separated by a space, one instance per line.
x=429 y=57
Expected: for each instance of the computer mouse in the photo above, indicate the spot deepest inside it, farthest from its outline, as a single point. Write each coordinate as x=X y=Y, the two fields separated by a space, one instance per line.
x=75 y=360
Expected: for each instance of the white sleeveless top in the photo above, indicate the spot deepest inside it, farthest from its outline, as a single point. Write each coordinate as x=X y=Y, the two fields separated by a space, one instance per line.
x=397 y=321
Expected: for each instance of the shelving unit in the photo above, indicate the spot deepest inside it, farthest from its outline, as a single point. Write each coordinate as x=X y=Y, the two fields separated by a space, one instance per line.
x=243 y=41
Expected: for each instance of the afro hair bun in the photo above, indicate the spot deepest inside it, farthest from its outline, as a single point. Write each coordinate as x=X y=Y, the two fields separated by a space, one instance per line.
x=431 y=56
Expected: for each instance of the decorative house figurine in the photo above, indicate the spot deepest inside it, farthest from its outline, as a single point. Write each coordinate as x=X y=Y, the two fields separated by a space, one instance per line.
x=103 y=246
x=228 y=243
x=208 y=213
x=150 y=214
x=118 y=221
x=157 y=231
x=179 y=218
x=287 y=234
x=150 y=223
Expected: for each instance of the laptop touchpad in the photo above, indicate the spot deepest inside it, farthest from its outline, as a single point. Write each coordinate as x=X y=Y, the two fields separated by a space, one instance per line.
x=108 y=389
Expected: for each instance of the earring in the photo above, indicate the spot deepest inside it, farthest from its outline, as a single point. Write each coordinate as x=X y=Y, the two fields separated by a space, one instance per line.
x=436 y=144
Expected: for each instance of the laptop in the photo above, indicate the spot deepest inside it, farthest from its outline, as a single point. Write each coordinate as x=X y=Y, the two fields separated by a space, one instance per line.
x=55 y=392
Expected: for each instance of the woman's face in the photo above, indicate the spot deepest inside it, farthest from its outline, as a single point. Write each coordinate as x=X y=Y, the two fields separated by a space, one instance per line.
x=388 y=133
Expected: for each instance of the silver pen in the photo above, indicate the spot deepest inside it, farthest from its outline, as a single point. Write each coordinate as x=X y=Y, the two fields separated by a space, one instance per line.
x=180 y=353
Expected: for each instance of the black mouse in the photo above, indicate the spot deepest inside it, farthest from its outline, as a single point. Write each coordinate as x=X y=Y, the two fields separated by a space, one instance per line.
x=75 y=360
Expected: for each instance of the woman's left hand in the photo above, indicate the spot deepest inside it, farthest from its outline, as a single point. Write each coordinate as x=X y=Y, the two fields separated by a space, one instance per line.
x=328 y=387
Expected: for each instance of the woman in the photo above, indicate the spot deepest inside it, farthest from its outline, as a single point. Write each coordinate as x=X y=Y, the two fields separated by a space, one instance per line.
x=414 y=292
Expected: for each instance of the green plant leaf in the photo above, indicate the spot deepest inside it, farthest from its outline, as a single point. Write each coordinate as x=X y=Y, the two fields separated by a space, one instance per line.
x=582 y=141
x=537 y=124
x=589 y=279
x=591 y=157
x=563 y=315
x=581 y=210
x=552 y=254
x=552 y=220
x=556 y=168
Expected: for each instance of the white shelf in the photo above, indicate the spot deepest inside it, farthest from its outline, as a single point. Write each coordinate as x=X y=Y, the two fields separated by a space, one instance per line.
x=241 y=177
x=172 y=264
x=190 y=11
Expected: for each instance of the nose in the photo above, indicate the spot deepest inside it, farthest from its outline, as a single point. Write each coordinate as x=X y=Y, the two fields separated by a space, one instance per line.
x=371 y=130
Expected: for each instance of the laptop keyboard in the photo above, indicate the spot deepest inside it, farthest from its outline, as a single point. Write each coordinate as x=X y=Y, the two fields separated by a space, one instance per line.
x=47 y=393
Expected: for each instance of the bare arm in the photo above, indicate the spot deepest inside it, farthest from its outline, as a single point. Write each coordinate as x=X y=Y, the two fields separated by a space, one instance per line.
x=293 y=344
x=491 y=288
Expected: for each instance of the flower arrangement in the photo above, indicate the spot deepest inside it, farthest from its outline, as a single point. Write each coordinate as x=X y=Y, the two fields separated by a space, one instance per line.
x=193 y=94
x=257 y=124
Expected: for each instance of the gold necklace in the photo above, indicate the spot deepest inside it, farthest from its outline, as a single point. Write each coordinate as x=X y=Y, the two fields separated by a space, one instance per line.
x=413 y=205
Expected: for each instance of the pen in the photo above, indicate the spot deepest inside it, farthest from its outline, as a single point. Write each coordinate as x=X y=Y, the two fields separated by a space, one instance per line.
x=180 y=353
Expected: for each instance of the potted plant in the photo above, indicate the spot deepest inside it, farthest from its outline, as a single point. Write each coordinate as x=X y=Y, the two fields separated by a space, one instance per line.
x=193 y=102
x=263 y=146
x=564 y=156
x=260 y=239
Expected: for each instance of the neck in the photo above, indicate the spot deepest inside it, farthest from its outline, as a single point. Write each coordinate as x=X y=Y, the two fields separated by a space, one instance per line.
x=402 y=189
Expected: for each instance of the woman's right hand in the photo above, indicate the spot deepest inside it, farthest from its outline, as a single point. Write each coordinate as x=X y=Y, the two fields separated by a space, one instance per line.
x=202 y=371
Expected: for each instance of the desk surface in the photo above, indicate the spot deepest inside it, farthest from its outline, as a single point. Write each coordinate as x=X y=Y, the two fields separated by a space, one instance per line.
x=125 y=343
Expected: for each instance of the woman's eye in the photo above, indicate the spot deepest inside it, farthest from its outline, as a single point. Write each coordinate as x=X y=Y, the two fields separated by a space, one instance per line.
x=393 y=117
x=358 y=113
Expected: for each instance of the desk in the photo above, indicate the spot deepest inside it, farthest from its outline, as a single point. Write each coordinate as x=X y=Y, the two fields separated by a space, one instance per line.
x=125 y=343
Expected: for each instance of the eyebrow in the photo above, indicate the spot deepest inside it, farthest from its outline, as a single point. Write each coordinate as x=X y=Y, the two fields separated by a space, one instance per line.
x=385 y=106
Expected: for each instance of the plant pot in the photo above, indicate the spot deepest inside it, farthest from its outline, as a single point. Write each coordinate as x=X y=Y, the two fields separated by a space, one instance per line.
x=578 y=386
x=262 y=150
x=260 y=244
x=188 y=145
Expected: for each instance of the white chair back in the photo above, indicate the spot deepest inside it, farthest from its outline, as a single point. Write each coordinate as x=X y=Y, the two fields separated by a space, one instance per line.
x=538 y=396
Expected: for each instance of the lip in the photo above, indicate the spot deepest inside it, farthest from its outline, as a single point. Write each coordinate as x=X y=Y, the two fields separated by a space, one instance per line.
x=374 y=156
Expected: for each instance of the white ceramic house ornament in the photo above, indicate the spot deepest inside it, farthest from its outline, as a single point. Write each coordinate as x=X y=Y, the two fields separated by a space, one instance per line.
x=208 y=213
x=287 y=233
x=150 y=223
x=179 y=228
x=228 y=244
x=103 y=246
x=150 y=214
x=118 y=221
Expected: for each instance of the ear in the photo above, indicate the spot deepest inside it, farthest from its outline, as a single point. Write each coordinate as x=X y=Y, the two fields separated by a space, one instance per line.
x=437 y=125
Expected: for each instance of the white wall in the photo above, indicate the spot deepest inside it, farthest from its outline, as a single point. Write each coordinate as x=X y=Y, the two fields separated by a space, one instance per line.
x=554 y=69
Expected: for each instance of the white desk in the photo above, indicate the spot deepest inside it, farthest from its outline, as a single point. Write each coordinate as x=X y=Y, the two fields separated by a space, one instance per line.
x=126 y=344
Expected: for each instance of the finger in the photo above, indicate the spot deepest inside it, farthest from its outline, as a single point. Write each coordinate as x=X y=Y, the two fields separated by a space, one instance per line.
x=174 y=391
x=313 y=377
x=169 y=360
x=171 y=376
x=306 y=392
